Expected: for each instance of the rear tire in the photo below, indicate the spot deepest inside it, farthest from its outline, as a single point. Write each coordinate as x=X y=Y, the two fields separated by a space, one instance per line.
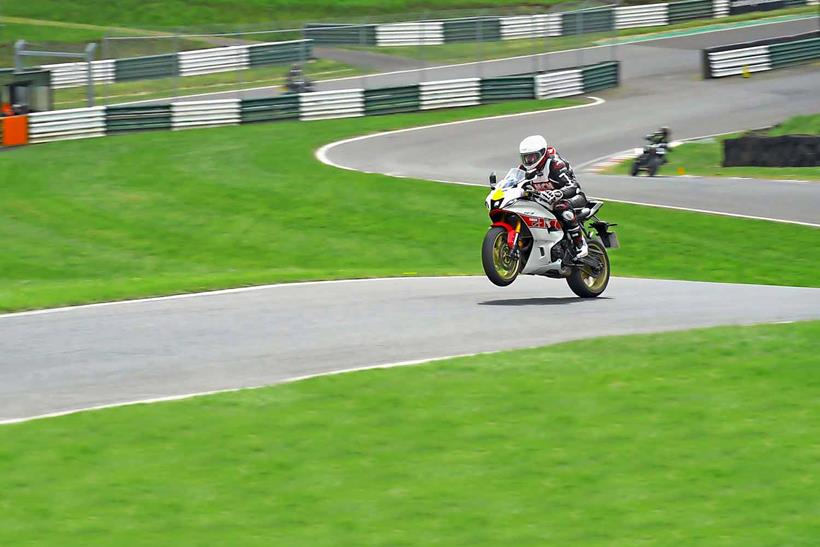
x=583 y=282
x=495 y=251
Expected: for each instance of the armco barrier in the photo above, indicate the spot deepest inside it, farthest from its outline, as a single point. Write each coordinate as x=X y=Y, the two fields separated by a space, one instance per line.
x=392 y=100
x=123 y=119
x=761 y=55
x=57 y=125
x=186 y=63
x=450 y=93
x=564 y=83
x=186 y=115
x=423 y=33
x=99 y=121
x=284 y=107
x=478 y=29
x=587 y=20
x=794 y=52
x=325 y=105
x=210 y=61
x=688 y=10
x=279 y=53
x=651 y=15
x=336 y=34
x=738 y=61
x=146 y=68
x=66 y=75
x=510 y=87
x=601 y=76
x=531 y=26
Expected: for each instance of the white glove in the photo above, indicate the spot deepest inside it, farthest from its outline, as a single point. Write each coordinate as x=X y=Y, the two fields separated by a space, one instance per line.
x=553 y=195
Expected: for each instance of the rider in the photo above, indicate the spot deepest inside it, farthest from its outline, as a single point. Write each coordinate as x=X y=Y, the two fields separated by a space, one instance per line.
x=554 y=181
x=661 y=139
x=661 y=136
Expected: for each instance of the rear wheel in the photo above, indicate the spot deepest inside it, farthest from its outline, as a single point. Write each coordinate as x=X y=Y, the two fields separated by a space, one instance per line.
x=500 y=268
x=589 y=282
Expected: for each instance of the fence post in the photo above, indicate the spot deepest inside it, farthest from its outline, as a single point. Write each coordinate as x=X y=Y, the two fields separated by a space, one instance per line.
x=19 y=46
x=89 y=59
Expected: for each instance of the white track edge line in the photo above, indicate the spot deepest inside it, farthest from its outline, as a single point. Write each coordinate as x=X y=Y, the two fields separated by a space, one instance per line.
x=354 y=369
x=216 y=292
x=321 y=153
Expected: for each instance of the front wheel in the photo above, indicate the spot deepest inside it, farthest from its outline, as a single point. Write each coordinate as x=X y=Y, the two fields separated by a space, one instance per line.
x=654 y=165
x=500 y=268
x=589 y=282
x=636 y=166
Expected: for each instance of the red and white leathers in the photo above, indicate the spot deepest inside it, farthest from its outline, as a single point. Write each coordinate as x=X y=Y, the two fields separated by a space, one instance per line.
x=551 y=174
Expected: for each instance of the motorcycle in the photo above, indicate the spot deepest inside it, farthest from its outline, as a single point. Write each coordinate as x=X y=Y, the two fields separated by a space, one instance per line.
x=650 y=160
x=526 y=238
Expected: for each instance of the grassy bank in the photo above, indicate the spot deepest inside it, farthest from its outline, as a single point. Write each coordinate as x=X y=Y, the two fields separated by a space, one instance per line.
x=701 y=437
x=167 y=212
x=704 y=158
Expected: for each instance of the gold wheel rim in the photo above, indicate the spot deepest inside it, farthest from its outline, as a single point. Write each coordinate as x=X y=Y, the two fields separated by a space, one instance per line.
x=505 y=266
x=593 y=282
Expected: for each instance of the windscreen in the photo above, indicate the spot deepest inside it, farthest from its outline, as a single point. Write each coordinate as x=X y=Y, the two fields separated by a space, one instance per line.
x=512 y=178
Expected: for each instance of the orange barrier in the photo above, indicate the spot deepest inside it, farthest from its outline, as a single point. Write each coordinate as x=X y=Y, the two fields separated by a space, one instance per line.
x=15 y=130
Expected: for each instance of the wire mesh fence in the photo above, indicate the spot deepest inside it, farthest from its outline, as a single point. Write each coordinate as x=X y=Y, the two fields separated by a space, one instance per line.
x=245 y=61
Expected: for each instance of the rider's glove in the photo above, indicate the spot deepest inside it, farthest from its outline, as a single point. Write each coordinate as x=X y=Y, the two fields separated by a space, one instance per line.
x=553 y=196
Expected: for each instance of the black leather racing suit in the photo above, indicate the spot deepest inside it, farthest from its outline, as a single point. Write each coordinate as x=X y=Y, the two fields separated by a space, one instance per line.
x=555 y=173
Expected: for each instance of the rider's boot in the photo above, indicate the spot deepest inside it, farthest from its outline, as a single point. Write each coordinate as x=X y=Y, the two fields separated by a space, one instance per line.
x=581 y=248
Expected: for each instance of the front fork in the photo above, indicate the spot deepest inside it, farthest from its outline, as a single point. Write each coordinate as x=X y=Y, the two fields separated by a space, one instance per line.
x=514 y=254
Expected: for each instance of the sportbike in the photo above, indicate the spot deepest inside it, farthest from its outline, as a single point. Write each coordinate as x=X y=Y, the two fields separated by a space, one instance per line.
x=526 y=238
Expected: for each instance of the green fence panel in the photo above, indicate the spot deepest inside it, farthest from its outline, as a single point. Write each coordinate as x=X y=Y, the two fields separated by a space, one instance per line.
x=798 y=51
x=146 y=68
x=601 y=76
x=283 y=107
x=584 y=21
x=330 y=34
x=477 y=29
x=391 y=100
x=276 y=54
x=508 y=88
x=690 y=9
x=121 y=119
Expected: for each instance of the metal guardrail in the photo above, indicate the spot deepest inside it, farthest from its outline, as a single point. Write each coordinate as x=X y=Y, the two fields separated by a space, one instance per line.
x=761 y=55
x=186 y=63
x=58 y=125
x=325 y=105
x=213 y=113
x=100 y=121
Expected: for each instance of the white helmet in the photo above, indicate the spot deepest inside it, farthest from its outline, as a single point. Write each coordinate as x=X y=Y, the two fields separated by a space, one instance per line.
x=533 y=151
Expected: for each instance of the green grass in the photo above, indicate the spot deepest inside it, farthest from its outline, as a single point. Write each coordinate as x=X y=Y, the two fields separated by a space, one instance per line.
x=169 y=212
x=704 y=158
x=704 y=437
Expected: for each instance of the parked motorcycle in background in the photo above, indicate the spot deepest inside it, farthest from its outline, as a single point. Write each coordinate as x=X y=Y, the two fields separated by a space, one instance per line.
x=526 y=238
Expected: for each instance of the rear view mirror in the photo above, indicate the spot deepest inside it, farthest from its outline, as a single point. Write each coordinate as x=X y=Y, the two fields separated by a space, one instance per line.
x=493 y=180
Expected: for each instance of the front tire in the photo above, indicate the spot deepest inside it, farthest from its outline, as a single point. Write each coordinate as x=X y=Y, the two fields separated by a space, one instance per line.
x=636 y=166
x=654 y=165
x=583 y=281
x=495 y=257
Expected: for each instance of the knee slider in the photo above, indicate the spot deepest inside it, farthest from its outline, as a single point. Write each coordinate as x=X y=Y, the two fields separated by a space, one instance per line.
x=569 y=216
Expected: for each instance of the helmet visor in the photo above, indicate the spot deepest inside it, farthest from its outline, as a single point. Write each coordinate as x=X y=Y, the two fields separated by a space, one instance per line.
x=530 y=159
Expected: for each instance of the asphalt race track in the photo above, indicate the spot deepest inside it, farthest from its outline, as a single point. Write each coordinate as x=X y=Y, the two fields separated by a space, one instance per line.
x=61 y=360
